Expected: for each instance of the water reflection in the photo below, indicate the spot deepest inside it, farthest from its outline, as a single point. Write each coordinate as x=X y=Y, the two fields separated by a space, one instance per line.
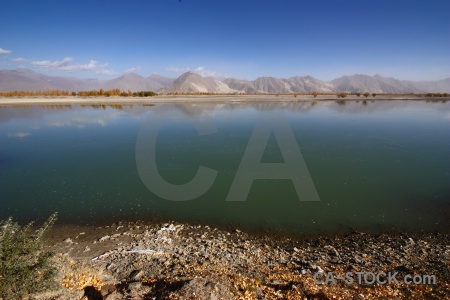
x=30 y=112
x=379 y=164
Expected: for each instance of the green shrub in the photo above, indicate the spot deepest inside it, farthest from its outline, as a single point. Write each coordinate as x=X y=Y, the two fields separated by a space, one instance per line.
x=24 y=266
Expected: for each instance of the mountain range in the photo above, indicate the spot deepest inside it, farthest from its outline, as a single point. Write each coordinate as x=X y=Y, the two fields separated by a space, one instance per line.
x=189 y=82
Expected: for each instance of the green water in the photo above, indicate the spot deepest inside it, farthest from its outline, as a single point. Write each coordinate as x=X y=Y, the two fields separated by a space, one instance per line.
x=376 y=166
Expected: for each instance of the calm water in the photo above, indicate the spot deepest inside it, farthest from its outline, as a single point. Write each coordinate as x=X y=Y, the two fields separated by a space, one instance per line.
x=375 y=166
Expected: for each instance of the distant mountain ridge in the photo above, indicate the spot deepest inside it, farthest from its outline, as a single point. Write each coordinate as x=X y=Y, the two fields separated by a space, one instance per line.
x=189 y=82
x=26 y=80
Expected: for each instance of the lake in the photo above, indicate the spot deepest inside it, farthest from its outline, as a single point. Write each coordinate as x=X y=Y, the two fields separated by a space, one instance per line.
x=374 y=166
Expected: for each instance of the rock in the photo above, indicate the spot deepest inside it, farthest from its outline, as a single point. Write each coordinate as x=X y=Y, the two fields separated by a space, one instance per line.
x=92 y=294
x=319 y=270
x=136 y=274
x=135 y=286
x=332 y=251
x=107 y=289
x=204 y=289
x=114 y=296
x=102 y=239
x=68 y=241
x=402 y=268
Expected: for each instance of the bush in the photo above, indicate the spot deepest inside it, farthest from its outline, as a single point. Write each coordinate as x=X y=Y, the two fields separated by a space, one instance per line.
x=366 y=94
x=144 y=94
x=24 y=266
x=341 y=95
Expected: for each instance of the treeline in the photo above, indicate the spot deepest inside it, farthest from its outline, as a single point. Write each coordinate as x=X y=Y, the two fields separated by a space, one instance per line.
x=91 y=93
x=437 y=95
x=46 y=93
x=70 y=106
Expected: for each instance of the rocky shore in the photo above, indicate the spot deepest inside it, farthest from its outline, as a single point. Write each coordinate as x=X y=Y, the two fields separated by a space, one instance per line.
x=180 y=261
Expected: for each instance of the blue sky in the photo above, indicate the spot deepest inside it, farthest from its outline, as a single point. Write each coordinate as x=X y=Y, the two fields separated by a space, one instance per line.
x=405 y=39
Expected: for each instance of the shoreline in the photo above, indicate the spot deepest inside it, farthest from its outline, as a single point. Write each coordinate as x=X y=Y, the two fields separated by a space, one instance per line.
x=206 y=99
x=176 y=261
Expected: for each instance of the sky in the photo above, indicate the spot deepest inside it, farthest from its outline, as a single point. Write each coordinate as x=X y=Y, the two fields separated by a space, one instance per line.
x=404 y=39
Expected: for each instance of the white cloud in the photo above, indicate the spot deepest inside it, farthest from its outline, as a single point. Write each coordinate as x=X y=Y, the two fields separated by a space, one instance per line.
x=92 y=65
x=206 y=73
x=3 y=51
x=177 y=69
x=132 y=69
x=57 y=64
x=200 y=70
x=18 y=59
x=64 y=65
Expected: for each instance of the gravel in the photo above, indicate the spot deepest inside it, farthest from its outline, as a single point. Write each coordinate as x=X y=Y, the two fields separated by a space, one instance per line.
x=181 y=261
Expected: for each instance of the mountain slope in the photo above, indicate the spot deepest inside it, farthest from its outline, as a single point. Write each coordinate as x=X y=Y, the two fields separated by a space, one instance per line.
x=438 y=86
x=374 y=84
x=132 y=82
x=136 y=83
x=161 y=80
x=272 y=85
x=243 y=86
x=26 y=80
x=307 y=84
x=191 y=82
